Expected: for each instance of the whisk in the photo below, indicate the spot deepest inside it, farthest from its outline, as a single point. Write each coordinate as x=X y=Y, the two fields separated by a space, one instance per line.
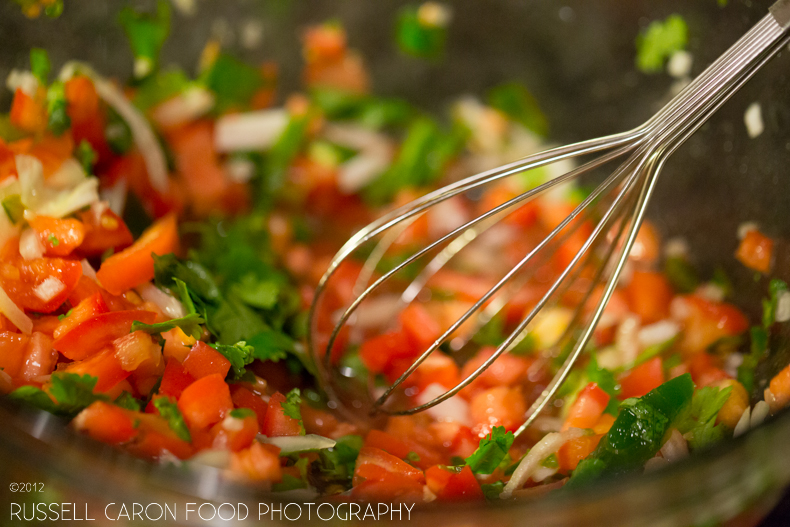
x=616 y=207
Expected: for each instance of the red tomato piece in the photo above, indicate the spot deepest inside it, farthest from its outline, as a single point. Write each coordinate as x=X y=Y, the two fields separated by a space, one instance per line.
x=756 y=251
x=87 y=308
x=649 y=294
x=259 y=462
x=642 y=379
x=40 y=357
x=205 y=402
x=234 y=434
x=134 y=265
x=175 y=379
x=204 y=360
x=573 y=451
x=453 y=486
x=27 y=114
x=40 y=285
x=88 y=337
x=103 y=231
x=88 y=121
x=276 y=422
x=376 y=464
x=13 y=347
x=707 y=321
x=704 y=370
x=155 y=438
x=507 y=370
x=244 y=398
x=419 y=325
x=499 y=406
x=59 y=237
x=587 y=408
x=401 y=448
x=104 y=366
x=105 y=422
x=379 y=353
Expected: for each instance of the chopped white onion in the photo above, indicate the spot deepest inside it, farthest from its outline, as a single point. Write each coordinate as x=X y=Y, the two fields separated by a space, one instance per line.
x=732 y=363
x=454 y=409
x=745 y=227
x=542 y=473
x=743 y=423
x=626 y=339
x=14 y=314
x=30 y=246
x=49 y=289
x=710 y=291
x=183 y=108
x=68 y=202
x=249 y=131
x=679 y=64
x=22 y=79
x=759 y=413
x=69 y=174
x=679 y=308
x=377 y=312
x=360 y=170
x=212 y=458
x=675 y=448
x=240 y=170
x=446 y=216
x=87 y=269
x=46 y=201
x=753 y=119
x=676 y=248
x=532 y=461
x=783 y=307
x=296 y=444
x=657 y=333
x=169 y=305
x=115 y=196
x=655 y=463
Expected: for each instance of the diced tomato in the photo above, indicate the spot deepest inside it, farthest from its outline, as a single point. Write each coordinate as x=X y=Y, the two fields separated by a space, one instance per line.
x=52 y=151
x=13 y=347
x=103 y=365
x=453 y=486
x=46 y=324
x=419 y=325
x=649 y=294
x=103 y=231
x=401 y=448
x=574 y=450
x=604 y=423
x=244 y=398
x=642 y=379
x=134 y=265
x=260 y=462
x=379 y=352
x=276 y=422
x=105 y=422
x=463 y=286
x=499 y=406
x=177 y=344
x=388 y=487
x=88 y=337
x=40 y=285
x=204 y=360
x=370 y=459
x=40 y=357
x=155 y=438
x=59 y=237
x=86 y=309
x=707 y=321
x=507 y=370
x=756 y=251
x=87 y=118
x=704 y=370
x=175 y=379
x=131 y=168
x=780 y=390
x=234 y=433
x=205 y=402
x=135 y=349
x=7 y=161
x=438 y=368
x=27 y=114
x=587 y=408
x=646 y=246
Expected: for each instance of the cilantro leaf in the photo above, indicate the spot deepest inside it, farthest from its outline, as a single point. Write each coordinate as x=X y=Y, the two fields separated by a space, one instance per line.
x=335 y=466
x=159 y=87
x=681 y=274
x=86 y=155
x=170 y=412
x=698 y=422
x=491 y=451
x=242 y=413
x=127 y=400
x=189 y=324
x=239 y=355
x=292 y=407
x=58 y=120
x=233 y=82
x=515 y=101
x=256 y=292
x=659 y=41
x=372 y=112
x=491 y=491
x=419 y=34
x=605 y=381
x=146 y=33
x=67 y=395
x=40 y=65
x=289 y=482
x=775 y=288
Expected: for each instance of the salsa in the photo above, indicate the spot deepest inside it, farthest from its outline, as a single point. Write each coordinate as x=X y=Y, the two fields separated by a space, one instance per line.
x=161 y=243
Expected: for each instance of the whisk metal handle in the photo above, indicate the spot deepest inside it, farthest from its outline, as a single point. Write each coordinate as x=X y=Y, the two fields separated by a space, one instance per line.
x=781 y=13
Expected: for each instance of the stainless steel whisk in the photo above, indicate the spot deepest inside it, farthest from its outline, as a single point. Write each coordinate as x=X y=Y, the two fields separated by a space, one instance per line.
x=618 y=205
